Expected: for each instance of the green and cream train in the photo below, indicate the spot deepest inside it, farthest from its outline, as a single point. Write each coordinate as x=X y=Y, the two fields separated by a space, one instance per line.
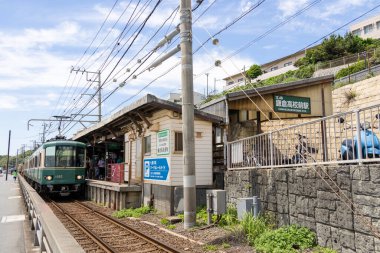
x=57 y=166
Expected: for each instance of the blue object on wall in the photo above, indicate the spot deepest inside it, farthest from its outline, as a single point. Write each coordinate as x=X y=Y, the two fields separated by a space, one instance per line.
x=156 y=169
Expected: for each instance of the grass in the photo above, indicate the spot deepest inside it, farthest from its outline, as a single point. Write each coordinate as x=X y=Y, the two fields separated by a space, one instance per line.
x=132 y=212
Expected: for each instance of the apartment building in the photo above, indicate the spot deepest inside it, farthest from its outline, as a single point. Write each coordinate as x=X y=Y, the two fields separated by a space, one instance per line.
x=270 y=69
x=368 y=28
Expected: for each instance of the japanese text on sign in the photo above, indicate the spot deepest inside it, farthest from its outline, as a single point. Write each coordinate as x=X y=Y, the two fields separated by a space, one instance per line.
x=283 y=103
x=156 y=169
x=163 y=142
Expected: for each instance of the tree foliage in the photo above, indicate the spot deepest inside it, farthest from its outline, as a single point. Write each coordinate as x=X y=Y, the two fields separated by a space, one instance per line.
x=254 y=71
x=335 y=47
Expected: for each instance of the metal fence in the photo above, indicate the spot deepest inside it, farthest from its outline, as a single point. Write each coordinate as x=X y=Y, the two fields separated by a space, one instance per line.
x=349 y=137
x=346 y=60
x=359 y=76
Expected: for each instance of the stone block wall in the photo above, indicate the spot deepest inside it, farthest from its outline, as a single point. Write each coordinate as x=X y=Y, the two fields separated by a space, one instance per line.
x=307 y=196
x=366 y=94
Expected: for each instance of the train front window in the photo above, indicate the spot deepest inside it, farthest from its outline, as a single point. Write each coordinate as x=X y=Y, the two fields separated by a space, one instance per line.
x=50 y=157
x=65 y=156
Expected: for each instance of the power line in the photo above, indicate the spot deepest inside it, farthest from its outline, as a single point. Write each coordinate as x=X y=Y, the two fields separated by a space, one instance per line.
x=96 y=35
x=135 y=37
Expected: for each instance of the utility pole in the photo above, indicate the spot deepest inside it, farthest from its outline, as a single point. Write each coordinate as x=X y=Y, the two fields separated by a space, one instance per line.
x=189 y=181
x=44 y=132
x=9 y=144
x=99 y=91
x=16 y=159
x=207 y=85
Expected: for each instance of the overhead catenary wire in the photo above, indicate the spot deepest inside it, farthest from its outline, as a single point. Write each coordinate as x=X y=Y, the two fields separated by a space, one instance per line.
x=109 y=32
x=131 y=19
x=135 y=37
x=96 y=35
x=199 y=3
x=89 y=84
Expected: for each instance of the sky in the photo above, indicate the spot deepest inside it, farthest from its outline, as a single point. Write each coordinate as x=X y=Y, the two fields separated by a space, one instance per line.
x=42 y=41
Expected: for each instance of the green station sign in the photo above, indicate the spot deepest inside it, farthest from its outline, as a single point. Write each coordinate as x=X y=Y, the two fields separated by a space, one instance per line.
x=163 y=142
x=292 y=104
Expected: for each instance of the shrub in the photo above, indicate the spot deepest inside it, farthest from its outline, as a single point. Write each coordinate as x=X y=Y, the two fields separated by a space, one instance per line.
x=254 y=227
x=360 y=65
x=285 y=239
x=132 y=212
x=229 y=218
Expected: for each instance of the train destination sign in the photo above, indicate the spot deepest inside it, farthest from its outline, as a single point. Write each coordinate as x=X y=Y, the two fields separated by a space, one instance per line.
x=285 y=103
x=163 y=143
x=156 y=169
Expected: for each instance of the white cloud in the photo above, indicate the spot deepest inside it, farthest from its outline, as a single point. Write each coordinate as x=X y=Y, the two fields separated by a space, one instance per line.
x=8 y=102
x=245 y=5
x=289 y=7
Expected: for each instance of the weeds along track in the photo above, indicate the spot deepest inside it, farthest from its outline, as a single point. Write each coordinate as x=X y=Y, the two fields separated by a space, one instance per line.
x=98 y=233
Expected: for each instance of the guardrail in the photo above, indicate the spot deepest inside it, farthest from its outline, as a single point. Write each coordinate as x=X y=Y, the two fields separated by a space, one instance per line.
x=358 y=76
x=49 y=233
x=353 y=58
x=349 y=137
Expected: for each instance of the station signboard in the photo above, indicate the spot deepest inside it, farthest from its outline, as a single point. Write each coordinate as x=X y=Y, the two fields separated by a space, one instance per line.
x=156 y=168
x=163 y=142
x=292 y=104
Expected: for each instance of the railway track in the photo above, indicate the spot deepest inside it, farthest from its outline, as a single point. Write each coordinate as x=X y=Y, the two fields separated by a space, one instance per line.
x=98 y=233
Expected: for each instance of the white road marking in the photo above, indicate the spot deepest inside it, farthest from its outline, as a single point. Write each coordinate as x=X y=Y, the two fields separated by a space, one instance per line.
x=14 y=197
x=12 y=218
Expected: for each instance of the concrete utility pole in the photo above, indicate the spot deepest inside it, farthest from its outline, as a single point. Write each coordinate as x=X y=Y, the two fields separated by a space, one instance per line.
x=207 y=84
x=9 y=144
x=189 y=191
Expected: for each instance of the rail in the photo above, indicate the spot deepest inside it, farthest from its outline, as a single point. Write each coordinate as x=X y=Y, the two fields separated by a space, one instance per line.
x=349 y=137
x=49 y=233
x=93 y=228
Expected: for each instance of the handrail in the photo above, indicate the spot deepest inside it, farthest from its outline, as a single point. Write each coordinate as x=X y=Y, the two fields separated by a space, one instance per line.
x=49 y=233
x=327 y=135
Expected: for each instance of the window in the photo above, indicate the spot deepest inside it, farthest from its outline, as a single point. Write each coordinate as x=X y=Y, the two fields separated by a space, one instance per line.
x=368 y=28
x=273 y=68
x=64 y=156
x=147 y=145
x=50 y=157
x=218 y=135
x=288 y=64
x=357 y=32
x=229 y=83
x=178 y=141
x=240 y=80
x=378 y=25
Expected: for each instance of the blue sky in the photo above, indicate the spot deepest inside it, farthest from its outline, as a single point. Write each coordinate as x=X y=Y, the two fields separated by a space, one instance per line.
x=41 y=40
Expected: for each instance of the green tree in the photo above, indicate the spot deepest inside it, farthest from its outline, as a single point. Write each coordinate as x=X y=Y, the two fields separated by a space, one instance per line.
x=254 y=71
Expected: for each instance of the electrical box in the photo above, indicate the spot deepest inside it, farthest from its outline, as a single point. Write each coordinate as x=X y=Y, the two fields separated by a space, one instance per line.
x=218 y=201
x=248 y=205
x=244 y=205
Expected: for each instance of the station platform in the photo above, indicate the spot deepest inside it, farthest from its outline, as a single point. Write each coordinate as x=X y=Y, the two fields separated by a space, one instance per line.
x=113 y=195
x=15 y=233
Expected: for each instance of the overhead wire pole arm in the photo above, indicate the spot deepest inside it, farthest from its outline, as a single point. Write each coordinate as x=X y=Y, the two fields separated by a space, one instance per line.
x=88 y=121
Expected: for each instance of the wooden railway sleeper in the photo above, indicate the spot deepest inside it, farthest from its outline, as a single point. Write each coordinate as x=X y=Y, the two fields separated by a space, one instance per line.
x=151 y=240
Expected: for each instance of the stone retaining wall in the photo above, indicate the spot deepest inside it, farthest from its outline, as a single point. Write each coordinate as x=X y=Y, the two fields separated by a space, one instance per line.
x=301 y=196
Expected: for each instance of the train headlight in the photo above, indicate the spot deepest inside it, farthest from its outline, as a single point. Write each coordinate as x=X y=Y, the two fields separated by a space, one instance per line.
x=49 y=178
x=79 y=177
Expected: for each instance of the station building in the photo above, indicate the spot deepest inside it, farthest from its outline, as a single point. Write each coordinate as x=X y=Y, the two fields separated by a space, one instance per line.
x=148 y=134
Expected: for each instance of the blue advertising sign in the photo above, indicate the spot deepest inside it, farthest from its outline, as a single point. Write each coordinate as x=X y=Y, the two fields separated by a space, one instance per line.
x=156 y=169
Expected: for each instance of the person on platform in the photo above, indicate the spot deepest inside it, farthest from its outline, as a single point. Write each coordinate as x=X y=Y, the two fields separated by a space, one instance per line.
x=14 y=174
x=101 y=167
